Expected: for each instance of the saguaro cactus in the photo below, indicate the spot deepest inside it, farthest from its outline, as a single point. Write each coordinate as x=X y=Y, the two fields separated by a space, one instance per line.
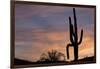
x=74 y=37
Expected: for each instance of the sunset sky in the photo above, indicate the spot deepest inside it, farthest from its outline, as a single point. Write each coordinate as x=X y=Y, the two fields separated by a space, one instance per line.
x=41 y=28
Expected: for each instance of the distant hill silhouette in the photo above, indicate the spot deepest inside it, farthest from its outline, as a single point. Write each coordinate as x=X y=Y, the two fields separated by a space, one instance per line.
x=21 y=62
x=80 y=61
x=85 y=60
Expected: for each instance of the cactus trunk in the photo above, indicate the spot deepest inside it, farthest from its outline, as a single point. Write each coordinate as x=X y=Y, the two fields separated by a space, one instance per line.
x=75 y=52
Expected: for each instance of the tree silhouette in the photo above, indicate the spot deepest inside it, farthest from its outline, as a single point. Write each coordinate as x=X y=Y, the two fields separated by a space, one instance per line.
x=74 y=37
x=52 y=56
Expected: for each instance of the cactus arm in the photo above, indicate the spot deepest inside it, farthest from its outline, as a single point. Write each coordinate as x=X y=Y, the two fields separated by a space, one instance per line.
x=71 y=30
x=67 y=48
x=75 y=25
x=81 y=37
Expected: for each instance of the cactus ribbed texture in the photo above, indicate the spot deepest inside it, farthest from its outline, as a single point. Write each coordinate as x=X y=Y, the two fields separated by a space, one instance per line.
x=74 y=37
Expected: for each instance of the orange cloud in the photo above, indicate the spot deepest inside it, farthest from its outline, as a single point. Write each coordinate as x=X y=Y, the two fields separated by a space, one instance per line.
x=58 y=41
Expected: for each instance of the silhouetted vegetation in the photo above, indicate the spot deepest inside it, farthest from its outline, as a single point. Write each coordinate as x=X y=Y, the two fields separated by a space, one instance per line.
x=74 y=37
x=52 y=56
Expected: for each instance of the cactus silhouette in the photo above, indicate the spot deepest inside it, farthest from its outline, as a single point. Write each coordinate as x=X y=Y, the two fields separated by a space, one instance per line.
x=74 y=37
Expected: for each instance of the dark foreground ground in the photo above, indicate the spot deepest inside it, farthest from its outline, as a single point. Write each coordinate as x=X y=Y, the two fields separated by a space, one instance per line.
x=24 y=63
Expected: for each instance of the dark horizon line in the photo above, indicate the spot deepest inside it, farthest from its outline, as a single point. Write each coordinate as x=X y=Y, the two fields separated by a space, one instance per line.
x=65 y=60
